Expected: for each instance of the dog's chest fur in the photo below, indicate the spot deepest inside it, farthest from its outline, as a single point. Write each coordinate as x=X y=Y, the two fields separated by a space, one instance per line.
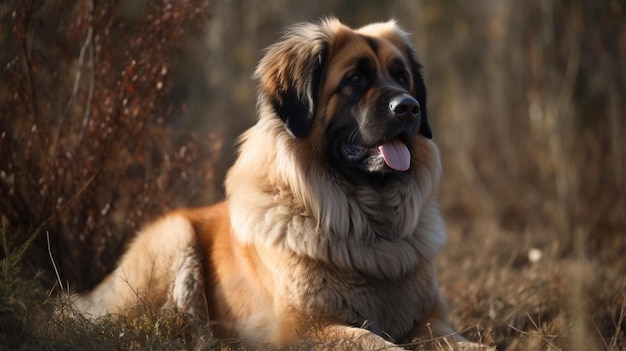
x=390 y=308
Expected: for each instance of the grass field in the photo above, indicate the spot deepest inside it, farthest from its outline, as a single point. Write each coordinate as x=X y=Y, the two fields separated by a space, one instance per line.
x=511 y=292
x=521 y=292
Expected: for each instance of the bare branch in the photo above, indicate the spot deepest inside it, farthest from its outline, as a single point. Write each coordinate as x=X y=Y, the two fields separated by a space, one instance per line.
x=92 y=77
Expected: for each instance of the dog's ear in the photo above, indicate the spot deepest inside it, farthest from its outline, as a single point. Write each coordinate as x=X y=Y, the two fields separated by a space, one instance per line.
x=290 y=73
x=420 y=92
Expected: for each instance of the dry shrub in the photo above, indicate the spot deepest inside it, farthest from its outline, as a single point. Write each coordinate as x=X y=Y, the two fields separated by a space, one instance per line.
x=89 y=145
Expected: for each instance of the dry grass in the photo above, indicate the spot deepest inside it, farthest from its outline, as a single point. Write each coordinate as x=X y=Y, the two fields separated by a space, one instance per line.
x=503 y=295
x=497 y=295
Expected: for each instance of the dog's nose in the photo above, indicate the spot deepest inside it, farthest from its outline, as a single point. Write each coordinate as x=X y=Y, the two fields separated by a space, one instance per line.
x=405 y=107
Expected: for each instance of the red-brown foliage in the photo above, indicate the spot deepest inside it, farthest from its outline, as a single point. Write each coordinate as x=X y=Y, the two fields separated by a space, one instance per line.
x=88 y=137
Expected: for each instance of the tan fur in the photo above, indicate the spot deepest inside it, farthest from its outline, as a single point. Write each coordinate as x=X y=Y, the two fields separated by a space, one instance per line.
x=293 y=253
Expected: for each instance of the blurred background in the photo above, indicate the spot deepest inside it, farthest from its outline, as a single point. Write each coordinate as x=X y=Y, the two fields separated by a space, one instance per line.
x=112 y=113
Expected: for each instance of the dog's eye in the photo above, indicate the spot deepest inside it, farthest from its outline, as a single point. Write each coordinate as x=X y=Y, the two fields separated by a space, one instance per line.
x=355 y=78
x=402 y=79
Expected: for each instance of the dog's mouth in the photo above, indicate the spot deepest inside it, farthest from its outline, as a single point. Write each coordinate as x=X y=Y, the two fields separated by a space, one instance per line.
x=391 y=155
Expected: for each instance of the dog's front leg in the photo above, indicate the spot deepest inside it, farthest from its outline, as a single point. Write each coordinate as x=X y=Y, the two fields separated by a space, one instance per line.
x=345 y=338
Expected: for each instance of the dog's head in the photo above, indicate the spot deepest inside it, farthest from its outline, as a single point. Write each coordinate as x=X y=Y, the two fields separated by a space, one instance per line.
x=360 y=92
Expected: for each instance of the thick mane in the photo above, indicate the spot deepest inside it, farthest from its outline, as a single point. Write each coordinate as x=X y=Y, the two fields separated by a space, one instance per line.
x=275 y=177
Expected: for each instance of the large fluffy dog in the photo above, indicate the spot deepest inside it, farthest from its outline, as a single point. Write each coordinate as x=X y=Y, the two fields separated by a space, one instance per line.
x=331 y=226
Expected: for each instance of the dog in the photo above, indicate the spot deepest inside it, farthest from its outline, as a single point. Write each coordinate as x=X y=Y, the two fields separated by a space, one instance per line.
x=331 y=227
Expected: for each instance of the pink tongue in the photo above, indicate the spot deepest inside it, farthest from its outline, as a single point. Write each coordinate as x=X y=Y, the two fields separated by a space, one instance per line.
x=396 y=155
